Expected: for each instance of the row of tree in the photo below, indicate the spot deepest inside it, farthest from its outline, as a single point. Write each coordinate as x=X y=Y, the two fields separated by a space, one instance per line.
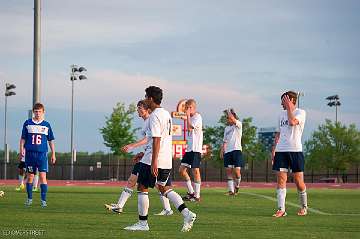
x=333 y=146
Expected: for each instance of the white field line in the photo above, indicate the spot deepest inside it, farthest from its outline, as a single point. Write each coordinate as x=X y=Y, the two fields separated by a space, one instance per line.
x=313 y=210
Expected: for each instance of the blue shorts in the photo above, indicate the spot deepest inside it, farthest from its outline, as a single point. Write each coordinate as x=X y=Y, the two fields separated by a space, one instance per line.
x=146 y=179
x=136 y=168
x=191 y=160
x=233 y=159
x=283 y=161
x=36 y=161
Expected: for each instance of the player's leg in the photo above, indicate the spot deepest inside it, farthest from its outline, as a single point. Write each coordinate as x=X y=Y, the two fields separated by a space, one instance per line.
x=145 y=180
x=297 y=166
x=281 y=165
x=30 y=170
x=21 y=169
x=36 y=182
x=197 y=176
x=229 y=173
x=175 y=198
x=165 y=202
x=43 y=169
x=238 y=164
x=185 y=164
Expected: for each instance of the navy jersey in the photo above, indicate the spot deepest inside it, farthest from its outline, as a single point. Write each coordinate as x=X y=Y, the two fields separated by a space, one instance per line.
x=36 y=136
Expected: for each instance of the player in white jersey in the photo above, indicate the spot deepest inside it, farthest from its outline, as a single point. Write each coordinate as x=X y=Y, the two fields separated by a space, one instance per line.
x=231 y=151
x=192 y=157
x=287 y=152
x=144 y=111
x=22 y=170
x=156 y=165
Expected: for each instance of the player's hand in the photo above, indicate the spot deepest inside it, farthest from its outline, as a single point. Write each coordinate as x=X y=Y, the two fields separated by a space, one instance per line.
x=272 y=157
x=53 y=159
x=287 y=102
x=154 y=170
x=138 y=157
x=126 y=148
x=22 y=154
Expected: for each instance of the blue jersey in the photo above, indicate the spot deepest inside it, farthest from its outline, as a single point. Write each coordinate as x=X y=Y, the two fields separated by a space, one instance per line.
x=36 y=136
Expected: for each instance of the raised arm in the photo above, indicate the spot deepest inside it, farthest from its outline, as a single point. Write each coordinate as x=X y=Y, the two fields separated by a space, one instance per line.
x=290 y=107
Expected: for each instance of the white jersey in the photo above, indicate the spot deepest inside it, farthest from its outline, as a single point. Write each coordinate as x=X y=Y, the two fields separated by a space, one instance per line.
x=290 y=136
x=195 y=139
x=160 y=125
x=145 y=132
x=232 y=137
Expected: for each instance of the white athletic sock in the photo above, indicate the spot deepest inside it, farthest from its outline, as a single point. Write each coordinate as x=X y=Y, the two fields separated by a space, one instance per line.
x=189 y=186
x=281 y=196
x=178 y=202
x=36 y=180
x=237 y=181
x=21 y=179
x=143 y=203
x=124 y=196
x=165 y=202
x=230 y=183
x=197 y=189
x=303 y=198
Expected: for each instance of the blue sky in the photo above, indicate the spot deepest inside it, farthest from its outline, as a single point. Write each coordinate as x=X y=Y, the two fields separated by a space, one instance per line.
x=240 y=54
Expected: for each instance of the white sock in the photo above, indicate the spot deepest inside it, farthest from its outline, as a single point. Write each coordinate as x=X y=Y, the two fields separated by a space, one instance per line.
x=303 y=198
x=189 y=186
x=230 y=183
x=36 y=180
x=21 y=179
x=124 y=196
x=143 y=203
x=197 y=189
x=177 y=201
x=165 y=202
x=281 y=196
x=237 y=181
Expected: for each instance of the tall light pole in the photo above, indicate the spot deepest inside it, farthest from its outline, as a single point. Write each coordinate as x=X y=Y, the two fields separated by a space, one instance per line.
x=299 y=94
x=334 y=100
x=8 y=92
x=37 y=52
x=75 y=75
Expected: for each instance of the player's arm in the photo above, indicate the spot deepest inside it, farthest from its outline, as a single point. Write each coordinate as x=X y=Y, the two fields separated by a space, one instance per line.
x=52 y=148
x=189 y=126
x=155 y=154
x=138 y=157
x=22 y=148
x=222 y=150
x=139 y=143
x=232 y=118
x=277 y=137
x=290 y=107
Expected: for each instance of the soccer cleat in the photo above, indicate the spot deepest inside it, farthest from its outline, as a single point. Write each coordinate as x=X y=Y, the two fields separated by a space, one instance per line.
x=229 y=193
x=280 y=213
x=20 y=188
x=188 y=222
x=28 y=202
x=165 y=212
x=43 y=203
x=302 y=212
x=197 y=199
x=189 y=197
x=139 y=226
x=35 y=189
x=114 y=208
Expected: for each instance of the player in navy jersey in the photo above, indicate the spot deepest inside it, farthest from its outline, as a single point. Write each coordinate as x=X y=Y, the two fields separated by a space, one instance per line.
x=35 y=137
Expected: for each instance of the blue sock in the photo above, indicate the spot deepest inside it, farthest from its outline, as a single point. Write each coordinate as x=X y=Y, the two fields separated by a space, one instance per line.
x=29 y=190
x=44 y=188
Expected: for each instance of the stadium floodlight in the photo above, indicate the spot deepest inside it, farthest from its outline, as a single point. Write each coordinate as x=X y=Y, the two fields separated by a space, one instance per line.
x=299 y=95
x=75 y=75
x=334 y=100
x=8 y=92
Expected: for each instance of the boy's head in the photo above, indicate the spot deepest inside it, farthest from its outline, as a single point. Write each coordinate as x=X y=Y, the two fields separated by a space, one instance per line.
x=38 y=110
x=191 y=106
x=144 y=108
x=228 y=113
x=292 y=96
x=154 y=93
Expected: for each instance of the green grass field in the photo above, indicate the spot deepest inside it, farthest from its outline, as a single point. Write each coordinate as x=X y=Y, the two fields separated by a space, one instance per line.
x=78 y=212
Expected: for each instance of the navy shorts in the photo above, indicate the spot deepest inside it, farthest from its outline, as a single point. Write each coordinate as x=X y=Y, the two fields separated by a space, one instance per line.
x=146 y=179
x=136 y=168
x=283 y=161
x=191 y=160
x=233 y=159
x=21 y=165
x=36 y=161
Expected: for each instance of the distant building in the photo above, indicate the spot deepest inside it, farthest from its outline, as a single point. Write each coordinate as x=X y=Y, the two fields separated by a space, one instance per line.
x=267 y=137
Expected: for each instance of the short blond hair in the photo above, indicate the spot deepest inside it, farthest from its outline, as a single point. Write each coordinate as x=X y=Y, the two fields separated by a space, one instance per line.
x=190 y=102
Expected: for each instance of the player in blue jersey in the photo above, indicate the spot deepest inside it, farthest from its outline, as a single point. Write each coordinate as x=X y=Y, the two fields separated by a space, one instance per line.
x=35 y=137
